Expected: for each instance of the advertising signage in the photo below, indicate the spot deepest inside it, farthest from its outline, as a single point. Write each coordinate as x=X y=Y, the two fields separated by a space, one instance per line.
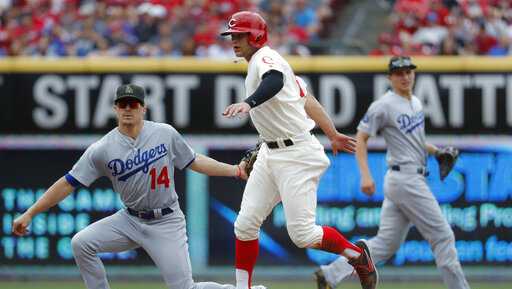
x=70 y=103
x=476 y=199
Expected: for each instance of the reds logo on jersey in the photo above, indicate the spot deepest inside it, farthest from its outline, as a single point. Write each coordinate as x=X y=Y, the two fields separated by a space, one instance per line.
x=267 y=60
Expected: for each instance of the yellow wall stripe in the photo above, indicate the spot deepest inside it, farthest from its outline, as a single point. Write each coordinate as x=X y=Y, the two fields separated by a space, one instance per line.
x=320 y=64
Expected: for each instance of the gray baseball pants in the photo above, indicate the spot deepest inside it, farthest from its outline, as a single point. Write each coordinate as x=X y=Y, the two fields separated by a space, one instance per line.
x=409 y=201
x=164 y=239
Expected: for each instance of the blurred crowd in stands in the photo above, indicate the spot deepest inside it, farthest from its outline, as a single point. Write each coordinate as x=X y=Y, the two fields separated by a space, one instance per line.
x=174 y=28
x=449 y=27
x=157 y=28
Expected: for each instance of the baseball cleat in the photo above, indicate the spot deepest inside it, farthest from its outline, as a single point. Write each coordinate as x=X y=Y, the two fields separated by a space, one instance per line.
x=364 y=266
x=321 y=283
x=258 y=287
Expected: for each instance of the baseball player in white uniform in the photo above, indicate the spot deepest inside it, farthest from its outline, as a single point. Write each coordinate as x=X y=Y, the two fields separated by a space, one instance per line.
x=139 y=158
x=290 y=160
x=398 y=116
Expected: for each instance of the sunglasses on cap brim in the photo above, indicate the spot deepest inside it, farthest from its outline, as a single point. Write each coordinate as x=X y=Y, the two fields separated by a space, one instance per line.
x=131 y=102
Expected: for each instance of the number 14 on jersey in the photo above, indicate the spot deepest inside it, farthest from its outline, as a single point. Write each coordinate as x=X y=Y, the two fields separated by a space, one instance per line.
x=162 y=179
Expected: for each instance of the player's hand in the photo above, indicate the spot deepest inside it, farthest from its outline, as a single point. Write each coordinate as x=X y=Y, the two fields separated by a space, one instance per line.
x=367 y=186
x=243 y=173
x=20 y=224
x=236 y=108
x=341 y=142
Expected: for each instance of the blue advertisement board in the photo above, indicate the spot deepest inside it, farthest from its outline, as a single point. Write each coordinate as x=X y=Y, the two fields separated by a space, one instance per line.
x=476 y=199
x=24 y=177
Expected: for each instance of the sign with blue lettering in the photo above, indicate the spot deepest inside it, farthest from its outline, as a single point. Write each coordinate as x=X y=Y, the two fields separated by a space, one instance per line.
x=476 y=199
x=49 y=240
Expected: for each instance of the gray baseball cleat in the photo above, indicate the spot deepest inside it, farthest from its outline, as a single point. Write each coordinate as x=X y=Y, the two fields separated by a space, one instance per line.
x=321 y=283
x=364 y=266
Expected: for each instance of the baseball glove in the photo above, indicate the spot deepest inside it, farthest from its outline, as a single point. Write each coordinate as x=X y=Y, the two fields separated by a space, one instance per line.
x=250 y=158
x=446 y=159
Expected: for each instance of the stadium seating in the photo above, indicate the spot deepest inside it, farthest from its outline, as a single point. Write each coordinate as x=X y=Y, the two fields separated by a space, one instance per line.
x=157 y=28
x=450 y=27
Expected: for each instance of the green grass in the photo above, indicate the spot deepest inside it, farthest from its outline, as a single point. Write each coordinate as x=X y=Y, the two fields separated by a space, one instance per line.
x=270 y=285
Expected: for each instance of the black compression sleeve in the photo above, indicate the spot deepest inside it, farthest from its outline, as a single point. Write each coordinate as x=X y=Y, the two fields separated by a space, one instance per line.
x=271 y=83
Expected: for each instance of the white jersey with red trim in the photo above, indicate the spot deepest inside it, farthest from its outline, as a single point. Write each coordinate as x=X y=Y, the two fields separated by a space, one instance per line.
x=282 y=116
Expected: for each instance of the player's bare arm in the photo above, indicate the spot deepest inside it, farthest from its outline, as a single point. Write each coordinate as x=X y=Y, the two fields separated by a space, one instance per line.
x=56 y=193
x=239 y=108
x=431 y=148
x=339 y=141
x=208 y=166
x=367 y=183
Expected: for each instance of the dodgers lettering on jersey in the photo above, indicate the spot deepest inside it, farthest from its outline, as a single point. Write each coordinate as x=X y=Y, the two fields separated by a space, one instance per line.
x=402 y=124
x=140 y=161
x=141 y=170
x=283 y=115
x=409 y=123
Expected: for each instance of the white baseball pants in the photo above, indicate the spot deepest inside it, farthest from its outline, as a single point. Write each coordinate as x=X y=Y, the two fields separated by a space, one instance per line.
x=289 y=175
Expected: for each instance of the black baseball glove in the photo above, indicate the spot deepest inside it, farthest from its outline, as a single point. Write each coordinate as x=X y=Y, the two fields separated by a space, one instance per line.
x=250 y=158
x=446 y=159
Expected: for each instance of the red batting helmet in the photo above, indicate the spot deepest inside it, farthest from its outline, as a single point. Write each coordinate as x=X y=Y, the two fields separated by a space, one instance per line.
x=248 y=22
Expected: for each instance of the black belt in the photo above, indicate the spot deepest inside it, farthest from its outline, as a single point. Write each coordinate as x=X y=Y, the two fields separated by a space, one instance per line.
x=274 y=144
x=419 y=170
x=148 y=215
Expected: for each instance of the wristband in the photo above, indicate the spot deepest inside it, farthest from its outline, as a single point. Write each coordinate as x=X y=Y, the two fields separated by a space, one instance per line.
x=238 y=172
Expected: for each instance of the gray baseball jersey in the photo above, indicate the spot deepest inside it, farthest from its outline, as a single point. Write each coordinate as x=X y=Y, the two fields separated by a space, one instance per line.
x=141 y=170
x=407 y=197
x=401 y=123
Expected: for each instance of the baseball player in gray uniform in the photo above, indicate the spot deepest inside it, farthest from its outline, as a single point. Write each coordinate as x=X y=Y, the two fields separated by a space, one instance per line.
x=139 y=158
x=398 y=116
